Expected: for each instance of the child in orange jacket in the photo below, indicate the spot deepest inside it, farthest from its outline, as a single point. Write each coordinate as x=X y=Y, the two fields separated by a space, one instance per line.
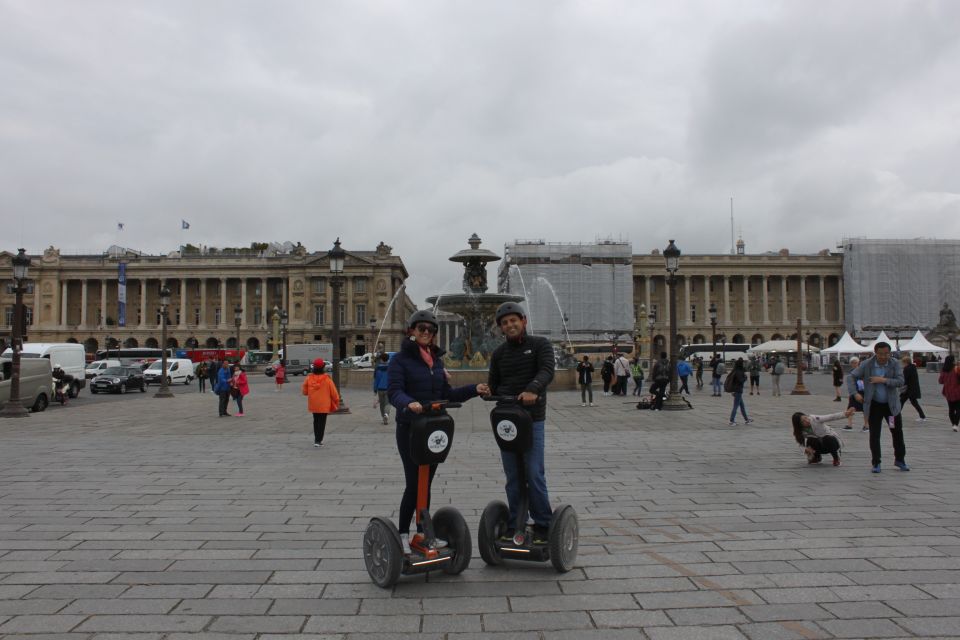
x=322 y=399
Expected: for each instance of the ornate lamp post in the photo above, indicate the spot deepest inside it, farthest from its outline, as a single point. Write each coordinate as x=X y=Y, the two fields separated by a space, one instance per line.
x=671 y=255
x=21 y=267
x=337 y=256
x=799 y=389
x=275 y=318
x=651 y=321
x=638 y=332
x=164 y=302
x=284 y=319
x=373 y=337
x=237 y=319
x=713 y=327
x=950 y=336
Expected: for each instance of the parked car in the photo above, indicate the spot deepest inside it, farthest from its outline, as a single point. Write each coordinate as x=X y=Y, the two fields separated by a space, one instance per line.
x=178 y=370
x=97 y=367
x=118 y=380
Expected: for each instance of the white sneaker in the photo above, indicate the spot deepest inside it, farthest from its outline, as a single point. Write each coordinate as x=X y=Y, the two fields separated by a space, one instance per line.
x=921 y=419
x=439 y=544
x=583 y=404
x=592 y=405
x=956 y=428
x=405 y=543
x=386 y=419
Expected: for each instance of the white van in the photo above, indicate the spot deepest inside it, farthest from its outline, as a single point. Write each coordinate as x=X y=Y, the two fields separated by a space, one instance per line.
x=97 y=367
x=36 y=383
x=70 y=356
x=178 y=370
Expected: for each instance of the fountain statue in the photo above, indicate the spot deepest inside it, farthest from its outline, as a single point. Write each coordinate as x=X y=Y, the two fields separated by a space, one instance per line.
x=479 y=335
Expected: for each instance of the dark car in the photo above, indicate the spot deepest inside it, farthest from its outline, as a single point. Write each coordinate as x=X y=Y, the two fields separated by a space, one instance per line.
x=118 y=380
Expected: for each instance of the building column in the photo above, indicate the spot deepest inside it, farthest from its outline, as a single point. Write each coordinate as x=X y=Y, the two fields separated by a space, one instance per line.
x=103 y=304
x=263 y=303
x=183 y=303
x=783 y=302
x=223 y=302
x=646 y=285
x=283 y=289
x=243 y=302
x=203 y=304
x=36 y=303
x=746 y=300
x=823 y=301
x=83 y=303
x=766 y=308
x=706 y=299
x=726 y=300
x=348 y=307
x=840 y=300
x=143 y=302
x=686 y=290
x=63 y=304
x=803 y=298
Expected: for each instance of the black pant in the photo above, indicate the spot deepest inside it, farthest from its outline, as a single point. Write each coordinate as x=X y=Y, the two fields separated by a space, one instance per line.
x=202 y=381
x=877 y=419
x=916 y=405
x=239 y=399
x=826 y=444
x=683 y=385
x=606 y=385
x=621 y=385
x=953 y=409
x=224 y=401
x=408 y=503
x=319 y=426
x=657 y=389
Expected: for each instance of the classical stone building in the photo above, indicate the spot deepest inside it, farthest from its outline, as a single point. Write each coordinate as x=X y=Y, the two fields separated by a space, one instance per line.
x=76 y=298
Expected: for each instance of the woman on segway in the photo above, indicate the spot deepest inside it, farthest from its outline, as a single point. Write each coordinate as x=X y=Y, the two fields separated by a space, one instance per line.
x=416 y=376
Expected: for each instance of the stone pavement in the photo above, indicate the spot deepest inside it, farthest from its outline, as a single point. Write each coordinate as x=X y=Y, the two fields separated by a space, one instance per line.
x=150 y=519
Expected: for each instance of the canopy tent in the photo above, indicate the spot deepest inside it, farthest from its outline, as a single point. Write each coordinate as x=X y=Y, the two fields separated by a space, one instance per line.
x=782 y=346
x=919 y=344
x=846 y=344
x=880 y=338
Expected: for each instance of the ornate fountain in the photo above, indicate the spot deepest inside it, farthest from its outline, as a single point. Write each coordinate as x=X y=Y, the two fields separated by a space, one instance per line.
x=479 y=335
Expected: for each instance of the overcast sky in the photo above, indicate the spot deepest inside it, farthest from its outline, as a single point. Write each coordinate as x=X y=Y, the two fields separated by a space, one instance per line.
x=420 y=122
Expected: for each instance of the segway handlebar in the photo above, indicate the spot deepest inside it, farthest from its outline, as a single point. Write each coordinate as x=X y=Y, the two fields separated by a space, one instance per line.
x=503 y=399
x=436 y=406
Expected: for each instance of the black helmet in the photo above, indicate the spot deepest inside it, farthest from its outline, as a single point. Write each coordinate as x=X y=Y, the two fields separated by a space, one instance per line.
x=422 y=316
x=507 y=308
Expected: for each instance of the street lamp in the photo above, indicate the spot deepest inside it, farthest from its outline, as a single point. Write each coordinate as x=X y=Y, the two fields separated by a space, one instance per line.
x=799 y=389
x=164 y=302
x=638 y=332
x=237 y=319
x=651 y=321
x=275 y=319
x=21 y=267
x=671 y=255
x=284 y=319
x=713 y=327
x=337 y=256
x=373 y=336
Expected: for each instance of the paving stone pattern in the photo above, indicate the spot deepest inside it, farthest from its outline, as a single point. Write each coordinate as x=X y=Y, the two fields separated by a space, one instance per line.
x=155 y=519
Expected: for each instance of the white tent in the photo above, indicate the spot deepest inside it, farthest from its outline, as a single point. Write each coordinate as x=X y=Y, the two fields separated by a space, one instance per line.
x=880 y=338
x=845 y=344
x=782 y=346
x=919 y=344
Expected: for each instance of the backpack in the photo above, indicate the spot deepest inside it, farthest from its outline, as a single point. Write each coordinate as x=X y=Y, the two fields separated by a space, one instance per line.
x=728 y=382
x=778 y=369
x=721 y=368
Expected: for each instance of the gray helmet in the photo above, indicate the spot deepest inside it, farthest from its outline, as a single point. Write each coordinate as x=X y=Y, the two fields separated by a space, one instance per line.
x=507 y=308
x=422 y=316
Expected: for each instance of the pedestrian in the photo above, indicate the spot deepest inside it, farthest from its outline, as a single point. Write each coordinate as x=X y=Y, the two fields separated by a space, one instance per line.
x=416 y=376
x=911 y=387
x=239 y=387
x=202 y=376
x=213 y=372
x=322 y=398
x=222 y=388
x=381 y=385
x=523 y=367
x=636 y=372
x=606 y=374
x=660 y=375
x=776 y=371
x=837 y=371
x=683 y=371
x=734 y=384
x=717 y=369
x=280 y=376
x=950 y=379
x=698 y=367
x=852 y=401
x=754 y=371
x=882 y=377
x=816 y=438
x=621 y=369
x=585 y=380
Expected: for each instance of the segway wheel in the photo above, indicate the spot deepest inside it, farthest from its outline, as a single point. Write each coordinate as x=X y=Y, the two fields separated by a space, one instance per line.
x=449 y=525
x=564 y=538
x=493 y=523
x=382 y=553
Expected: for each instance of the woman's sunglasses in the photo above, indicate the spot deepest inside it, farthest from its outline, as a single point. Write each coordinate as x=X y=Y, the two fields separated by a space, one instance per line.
x=426 y=328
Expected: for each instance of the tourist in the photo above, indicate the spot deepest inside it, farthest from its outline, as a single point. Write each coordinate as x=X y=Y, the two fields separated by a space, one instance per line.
x=837 y=371
x=816 y=438
x=852 y=401
x=621 y=370
x=222 y=387
x=882 y=377
x=950 y=379
x=416 y=376
x=734 y=384
x=683 y=372
x=754 y=370
x=660 y=377
x=239 y=387
x=911 y=387
x=606 y=374
x=202 y=376
x=698 y=367
x=777 y=369
x=717 y=370
x=523 y=367
x=381 y=386
x=322 y=398
x=585 y=381
x=280 y=376
x=213 y=373
x=636 y=372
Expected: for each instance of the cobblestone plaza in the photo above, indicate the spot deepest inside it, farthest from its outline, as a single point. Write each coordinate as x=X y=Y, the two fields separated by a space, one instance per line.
x=145 y=518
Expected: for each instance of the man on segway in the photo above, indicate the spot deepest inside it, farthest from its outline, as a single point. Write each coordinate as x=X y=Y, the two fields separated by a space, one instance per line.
x=523 y=367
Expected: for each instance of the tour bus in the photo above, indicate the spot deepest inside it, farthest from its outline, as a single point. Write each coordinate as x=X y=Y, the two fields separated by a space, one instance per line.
x=705 y=350
x=135 y=356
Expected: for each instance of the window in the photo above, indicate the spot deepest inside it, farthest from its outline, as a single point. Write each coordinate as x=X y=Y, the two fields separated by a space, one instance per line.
x=320 y=286
x=343 y=313
x=240 y=288
x=693 y=313
x=278 y=288
x=216 y=315
x=256 y=289
x=655 y=312
x=27 y=288
x=359 y=286
x=319 y=314
x=196 y=315
x=653 y=284
x=360 y=314
x=8 y=316
x=177 y=318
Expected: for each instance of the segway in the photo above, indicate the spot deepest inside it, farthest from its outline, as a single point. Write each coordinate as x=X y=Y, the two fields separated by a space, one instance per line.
x=513 y=431
x=431 y=438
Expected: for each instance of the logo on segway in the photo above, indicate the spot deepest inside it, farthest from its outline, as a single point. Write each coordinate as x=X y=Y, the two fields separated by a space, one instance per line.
x=506 y=430
x=438 y=441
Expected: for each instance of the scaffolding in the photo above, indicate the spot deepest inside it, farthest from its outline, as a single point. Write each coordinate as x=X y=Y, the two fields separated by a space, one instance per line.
x=899 y=283
x=587 y=286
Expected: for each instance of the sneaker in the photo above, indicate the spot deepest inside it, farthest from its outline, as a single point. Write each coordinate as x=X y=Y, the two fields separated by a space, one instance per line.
x=836 y=462
x=749 y=420
x=438 y=544
x=506 y=536
x=583 y=404
x=593 y=405
x=386 y=420
x=239 y=415
x=732 y=424
x=956 y=428
x=900 y=464
x=848 y=428
x=318 y=444
x=875 y=469
x=405 y=543
x=865 y=429
x=541 y=535
x=921 y=419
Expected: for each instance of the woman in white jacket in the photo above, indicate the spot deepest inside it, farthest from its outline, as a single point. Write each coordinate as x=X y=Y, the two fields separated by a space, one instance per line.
x=816 y=438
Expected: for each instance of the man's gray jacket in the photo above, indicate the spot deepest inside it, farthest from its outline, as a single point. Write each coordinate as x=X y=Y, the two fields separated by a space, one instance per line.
x=891 y=371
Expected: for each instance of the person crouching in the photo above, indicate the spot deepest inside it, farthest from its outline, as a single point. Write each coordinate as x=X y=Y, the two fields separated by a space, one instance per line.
x=816 y=438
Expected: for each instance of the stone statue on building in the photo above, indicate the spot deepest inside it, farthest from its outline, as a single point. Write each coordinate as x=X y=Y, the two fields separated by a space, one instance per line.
x=947 y=319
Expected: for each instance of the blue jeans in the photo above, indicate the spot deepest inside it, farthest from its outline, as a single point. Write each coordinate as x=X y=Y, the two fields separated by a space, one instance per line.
x=539 y=501
x=717 y=385
x=738 y=402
